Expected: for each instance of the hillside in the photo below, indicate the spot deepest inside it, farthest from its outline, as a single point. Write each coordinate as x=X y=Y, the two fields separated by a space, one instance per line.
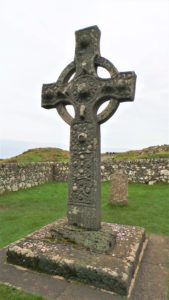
x=39 y=155
x=150 y=152
x=59 y=155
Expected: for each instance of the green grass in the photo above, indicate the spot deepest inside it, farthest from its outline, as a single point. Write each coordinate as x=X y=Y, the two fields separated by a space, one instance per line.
x=24 y=211
x=10 y=293
x=148 y=207
x=133 y=155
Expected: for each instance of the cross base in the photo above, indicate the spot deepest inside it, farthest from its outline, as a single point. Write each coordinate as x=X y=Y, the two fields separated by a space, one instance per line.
x=111 y=270
x=100 y=241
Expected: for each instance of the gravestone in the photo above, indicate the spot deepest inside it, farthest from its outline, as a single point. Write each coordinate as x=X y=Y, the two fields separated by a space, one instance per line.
x=119 y=188
x=81 y=246
x=86 y=92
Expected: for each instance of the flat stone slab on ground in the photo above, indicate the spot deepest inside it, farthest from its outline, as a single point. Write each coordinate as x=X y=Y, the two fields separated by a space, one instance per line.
x=111 y=271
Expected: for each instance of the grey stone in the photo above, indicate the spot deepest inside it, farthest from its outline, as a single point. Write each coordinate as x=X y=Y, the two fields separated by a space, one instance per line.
x=151 y=182
x=23 y=177
x=86 y=92
x=119 y=188
x=110 y=270
x=100 y=241
x=28 y=185
x=151 y=280
x=14 y=188
x=165 y=173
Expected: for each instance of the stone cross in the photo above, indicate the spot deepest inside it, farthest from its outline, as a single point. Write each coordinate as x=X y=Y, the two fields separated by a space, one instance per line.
x=86 y=91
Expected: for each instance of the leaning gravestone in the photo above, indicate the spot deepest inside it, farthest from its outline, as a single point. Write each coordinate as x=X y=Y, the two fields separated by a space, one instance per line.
x=119 y=188
x=81 y=247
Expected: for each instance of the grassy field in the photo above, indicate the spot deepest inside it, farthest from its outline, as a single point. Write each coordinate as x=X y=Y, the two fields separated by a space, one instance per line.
x=24 y=211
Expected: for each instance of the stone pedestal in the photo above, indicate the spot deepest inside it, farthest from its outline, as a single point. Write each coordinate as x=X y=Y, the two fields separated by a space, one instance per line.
x=119 y=188
x=106 y=258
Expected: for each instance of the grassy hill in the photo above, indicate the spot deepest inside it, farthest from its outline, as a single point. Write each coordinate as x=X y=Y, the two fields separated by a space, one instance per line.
x=39 y=155
x=150 y=152
x=59 y=155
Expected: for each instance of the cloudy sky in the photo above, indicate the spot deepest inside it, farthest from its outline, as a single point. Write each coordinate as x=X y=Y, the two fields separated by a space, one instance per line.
x=37 y=42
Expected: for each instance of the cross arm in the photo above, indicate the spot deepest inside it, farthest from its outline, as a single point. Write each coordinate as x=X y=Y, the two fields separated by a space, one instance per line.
x=125 y=85
x=53 y=94
x=121 y=87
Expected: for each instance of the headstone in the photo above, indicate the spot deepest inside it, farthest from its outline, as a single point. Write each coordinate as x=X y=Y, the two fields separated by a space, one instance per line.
x=86 y=92
x=119 y=188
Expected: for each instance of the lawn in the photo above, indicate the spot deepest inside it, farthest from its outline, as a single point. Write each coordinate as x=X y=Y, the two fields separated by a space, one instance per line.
x=25 y=211
x=10 y=293
x=148 y=207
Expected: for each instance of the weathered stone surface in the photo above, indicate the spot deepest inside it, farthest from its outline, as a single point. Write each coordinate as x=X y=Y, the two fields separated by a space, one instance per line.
x=86 y=92
x=139 y=171
x=100 y=241
x=151 y=281
x=119 y=188
x=112 y=271
x=18 y=176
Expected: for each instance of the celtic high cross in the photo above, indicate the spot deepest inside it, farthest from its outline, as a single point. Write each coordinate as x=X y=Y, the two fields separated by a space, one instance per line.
x=86 y=91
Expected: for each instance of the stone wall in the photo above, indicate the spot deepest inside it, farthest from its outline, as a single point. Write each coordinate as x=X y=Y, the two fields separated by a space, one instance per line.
x=147 y=171
x=142 y=171
x=17 y=176
x=14 y=177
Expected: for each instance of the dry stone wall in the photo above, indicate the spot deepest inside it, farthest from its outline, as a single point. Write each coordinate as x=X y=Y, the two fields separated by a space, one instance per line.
x=60 y=172
x=17 y=176
x=14 y=177
x=148 y=171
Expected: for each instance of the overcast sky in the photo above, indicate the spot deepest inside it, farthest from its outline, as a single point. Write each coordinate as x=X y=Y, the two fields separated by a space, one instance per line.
x=37 y=42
